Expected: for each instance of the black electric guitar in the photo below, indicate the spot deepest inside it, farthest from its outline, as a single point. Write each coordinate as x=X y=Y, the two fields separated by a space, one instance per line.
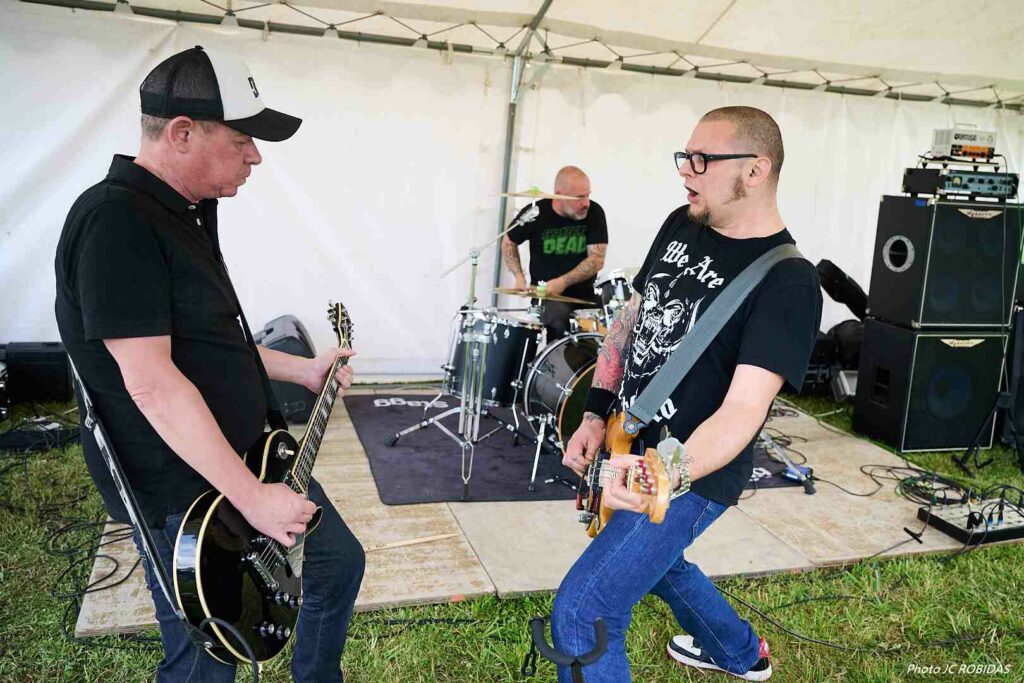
x=226 y=569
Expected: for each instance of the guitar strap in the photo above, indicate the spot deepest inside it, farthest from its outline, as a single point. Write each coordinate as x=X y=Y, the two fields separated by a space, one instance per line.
x=697 y=340
x=124 y=489
x=275 y=418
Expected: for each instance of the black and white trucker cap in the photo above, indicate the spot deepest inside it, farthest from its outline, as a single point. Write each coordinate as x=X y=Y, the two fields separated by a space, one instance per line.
x=212 y=86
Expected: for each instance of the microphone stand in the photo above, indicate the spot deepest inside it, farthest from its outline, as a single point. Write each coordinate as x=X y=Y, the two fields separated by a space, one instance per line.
x=470 y=408
x=474 y=252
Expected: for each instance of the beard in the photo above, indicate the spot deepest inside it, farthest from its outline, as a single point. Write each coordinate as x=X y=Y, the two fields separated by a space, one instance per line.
x=703 y=216
x=700 y=216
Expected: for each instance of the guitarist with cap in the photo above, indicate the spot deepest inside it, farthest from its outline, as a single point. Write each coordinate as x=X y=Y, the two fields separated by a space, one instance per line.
x=148 y=315
x=730 y=169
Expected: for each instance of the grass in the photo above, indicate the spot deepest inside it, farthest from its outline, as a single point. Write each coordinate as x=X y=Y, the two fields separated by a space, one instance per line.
x=895 y=609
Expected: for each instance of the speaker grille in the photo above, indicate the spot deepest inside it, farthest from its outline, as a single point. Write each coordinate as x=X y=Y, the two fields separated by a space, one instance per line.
x=953 y=387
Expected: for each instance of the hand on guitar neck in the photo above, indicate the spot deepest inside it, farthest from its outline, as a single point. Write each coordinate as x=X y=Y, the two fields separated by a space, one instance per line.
x=611 y=478
x=584 y=444
x=317 y=369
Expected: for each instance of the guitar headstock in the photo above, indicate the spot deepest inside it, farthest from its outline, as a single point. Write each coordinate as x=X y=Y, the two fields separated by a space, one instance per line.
x=341 y=323
x=648 y=477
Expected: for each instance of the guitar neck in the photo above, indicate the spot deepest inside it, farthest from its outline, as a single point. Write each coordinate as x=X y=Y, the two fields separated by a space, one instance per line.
x=317 y=426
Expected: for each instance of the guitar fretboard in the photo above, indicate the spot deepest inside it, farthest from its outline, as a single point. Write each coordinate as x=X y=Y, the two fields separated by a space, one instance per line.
x=316 y=428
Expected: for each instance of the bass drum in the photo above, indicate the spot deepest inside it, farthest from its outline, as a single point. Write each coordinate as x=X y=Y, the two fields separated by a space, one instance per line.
x=558 y=381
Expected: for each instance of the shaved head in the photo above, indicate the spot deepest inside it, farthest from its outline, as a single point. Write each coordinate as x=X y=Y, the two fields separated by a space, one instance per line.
x=756 y=131
x=572 y=181
x=567 y=178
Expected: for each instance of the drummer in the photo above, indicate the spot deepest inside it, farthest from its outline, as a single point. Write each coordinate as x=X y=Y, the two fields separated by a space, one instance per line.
x=568 y=241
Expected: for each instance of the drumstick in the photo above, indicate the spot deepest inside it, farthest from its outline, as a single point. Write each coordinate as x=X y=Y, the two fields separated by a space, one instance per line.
x=412 y=541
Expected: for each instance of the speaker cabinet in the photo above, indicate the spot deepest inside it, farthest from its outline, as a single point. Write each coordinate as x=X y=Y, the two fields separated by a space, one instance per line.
x=944 y=264
x=287 y=334
x=1014 y=422
x=37 y=371
x=927 y=391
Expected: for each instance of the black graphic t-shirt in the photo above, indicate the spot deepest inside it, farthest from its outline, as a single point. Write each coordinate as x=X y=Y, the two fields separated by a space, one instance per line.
x=775 y=328
x=558 y=244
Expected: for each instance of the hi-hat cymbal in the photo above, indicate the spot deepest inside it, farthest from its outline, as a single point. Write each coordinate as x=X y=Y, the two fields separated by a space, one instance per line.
x=532 y=293
x=536 y=193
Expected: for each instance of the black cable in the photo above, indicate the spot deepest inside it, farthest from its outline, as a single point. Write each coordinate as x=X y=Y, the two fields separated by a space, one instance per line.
x=253 y=662
x=76 y=540
x=849 y=648
x=815 y=477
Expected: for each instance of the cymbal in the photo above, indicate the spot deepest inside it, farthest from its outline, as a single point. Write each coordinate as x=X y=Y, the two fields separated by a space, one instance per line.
x=536 y=193
x=534 y=294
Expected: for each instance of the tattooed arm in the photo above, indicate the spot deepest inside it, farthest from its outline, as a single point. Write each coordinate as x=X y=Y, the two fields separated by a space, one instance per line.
x=510 y=256
x=611 y=359
x=586 y=442
x=586 y=269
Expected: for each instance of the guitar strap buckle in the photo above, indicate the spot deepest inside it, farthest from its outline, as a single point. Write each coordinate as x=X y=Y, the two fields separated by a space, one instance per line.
x=632 y=426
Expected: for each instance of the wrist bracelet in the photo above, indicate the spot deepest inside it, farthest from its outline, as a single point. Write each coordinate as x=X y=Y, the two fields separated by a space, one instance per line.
x=600 y=402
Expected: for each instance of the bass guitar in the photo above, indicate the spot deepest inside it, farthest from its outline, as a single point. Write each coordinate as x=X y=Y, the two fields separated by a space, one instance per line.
x=646 y=477
x=225 y=569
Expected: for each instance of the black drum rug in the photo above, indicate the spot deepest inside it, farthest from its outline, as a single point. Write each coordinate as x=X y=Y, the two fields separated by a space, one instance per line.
x=424 y=466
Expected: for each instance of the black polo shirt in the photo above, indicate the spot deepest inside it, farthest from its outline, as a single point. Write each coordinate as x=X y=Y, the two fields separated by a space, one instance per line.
x=136 y=259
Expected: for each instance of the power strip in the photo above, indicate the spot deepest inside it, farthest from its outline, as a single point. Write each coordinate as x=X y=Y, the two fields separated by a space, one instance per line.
x=968 y=522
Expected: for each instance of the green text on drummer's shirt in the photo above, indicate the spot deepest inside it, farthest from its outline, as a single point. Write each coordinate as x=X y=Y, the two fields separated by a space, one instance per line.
x=571 y=239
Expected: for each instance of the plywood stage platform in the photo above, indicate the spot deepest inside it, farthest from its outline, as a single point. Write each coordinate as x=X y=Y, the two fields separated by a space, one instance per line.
x=511 y=549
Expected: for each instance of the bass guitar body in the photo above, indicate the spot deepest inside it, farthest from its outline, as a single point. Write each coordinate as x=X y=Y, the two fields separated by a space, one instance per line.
x=224 y=568
x=646 y=476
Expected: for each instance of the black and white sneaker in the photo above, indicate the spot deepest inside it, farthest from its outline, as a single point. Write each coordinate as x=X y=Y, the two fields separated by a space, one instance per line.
x=686 y=650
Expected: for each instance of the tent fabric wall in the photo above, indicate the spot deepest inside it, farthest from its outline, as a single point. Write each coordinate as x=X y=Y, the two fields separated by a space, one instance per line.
x=842 y=154
x=394 y=174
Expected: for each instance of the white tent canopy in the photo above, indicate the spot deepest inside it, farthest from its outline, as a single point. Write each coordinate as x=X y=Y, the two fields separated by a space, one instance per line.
x=395 y=172
x=933 y=49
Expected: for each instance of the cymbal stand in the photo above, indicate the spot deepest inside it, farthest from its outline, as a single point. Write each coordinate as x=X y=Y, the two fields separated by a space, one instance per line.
x=471 y=406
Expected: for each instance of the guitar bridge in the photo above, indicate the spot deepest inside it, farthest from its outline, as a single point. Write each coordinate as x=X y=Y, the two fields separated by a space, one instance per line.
x=263 y=573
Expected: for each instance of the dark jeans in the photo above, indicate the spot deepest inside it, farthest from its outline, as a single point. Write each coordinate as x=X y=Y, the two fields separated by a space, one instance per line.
x=332 y=571
x=633 y=557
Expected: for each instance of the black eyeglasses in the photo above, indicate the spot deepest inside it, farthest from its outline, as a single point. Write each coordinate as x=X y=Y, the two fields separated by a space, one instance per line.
x=699 y=160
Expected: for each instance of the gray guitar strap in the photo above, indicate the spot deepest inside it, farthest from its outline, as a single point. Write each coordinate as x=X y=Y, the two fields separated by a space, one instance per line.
x=700 y=336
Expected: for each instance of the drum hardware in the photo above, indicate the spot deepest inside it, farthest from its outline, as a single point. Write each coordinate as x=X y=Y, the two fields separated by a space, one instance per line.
x=476 y=332
x=614 y=289
x=555 y=390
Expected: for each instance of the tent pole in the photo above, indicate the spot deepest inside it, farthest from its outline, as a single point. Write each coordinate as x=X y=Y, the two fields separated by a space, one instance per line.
x=518 y=63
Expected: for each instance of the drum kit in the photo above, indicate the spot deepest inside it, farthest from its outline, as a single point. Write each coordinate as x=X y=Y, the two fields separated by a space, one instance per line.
x=499 y=358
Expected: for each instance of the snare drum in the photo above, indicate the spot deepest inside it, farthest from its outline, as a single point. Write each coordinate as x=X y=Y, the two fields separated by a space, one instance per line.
x=558 y=380
x=505 y=347
x=588 y=320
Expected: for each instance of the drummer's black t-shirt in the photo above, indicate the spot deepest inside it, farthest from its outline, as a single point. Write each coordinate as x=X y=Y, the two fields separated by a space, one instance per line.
x=775 y=328
x=558 y=244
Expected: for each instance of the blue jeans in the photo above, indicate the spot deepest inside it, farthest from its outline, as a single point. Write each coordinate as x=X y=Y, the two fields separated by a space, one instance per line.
x=633 y=557
x=332 y=571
